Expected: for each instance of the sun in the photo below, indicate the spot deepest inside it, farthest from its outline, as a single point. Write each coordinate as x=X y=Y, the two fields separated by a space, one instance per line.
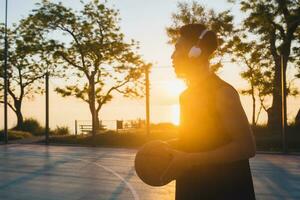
x=175 y=87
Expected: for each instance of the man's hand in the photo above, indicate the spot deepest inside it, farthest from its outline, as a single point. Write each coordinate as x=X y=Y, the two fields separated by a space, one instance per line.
x=178 y=165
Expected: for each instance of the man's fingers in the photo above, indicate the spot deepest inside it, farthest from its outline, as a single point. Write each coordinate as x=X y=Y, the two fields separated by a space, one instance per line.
x=168 y=173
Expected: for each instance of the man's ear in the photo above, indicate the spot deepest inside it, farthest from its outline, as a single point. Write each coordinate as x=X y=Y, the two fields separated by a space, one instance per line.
x=209 y=43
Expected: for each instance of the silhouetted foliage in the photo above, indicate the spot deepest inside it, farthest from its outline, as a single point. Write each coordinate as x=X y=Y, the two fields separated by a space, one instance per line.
x=257 y=70
x=97 y=58
x=61 y=130
x=276 y=25
x=27 y=63
x=32 y=126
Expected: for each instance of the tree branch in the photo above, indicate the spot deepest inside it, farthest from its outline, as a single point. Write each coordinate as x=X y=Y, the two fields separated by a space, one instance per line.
x=101 y=102
x=284 y=9
x=10 y=92
x=69 y=61
x=262 y=104
x=32 y=80
x=11 y=107
x=101 y=32
x=258 y=114
x=82 y=98
x=20 y=83
x=273 y=45
x=77 y=42
x=278 y=27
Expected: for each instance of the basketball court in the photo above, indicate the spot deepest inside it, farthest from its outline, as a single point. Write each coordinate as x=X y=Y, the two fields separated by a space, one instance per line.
x=60 y=172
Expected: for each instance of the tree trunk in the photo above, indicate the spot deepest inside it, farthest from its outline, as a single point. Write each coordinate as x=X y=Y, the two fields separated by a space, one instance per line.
x=297 y=118
x=95 y=125
x=18 y=111
x=97 y=121
x=253 y=108
x=275 y=112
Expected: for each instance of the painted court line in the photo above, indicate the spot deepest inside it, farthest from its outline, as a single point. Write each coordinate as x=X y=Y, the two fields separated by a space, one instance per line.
x=130 y=187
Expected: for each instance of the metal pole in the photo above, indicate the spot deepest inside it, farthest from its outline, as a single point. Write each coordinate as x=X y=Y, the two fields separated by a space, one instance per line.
x=93 y=100
x=147 y=100
x=47 y=109
x=283 y=107
x=5 y=76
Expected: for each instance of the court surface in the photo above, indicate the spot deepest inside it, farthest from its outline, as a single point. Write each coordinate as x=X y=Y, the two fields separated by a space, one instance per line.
x=74 y=173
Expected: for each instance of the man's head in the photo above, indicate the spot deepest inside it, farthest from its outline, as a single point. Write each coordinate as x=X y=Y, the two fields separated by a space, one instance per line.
x=193 y=49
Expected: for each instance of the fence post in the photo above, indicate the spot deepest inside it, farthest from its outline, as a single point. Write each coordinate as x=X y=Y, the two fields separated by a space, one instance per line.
x=117 y=126
x=75 y=127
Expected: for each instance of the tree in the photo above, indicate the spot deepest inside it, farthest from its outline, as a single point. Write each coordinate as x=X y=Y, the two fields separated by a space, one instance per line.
x=276 y=24
x=221 y=23
x=257 y=73
x=97 y=55
x=26 y=67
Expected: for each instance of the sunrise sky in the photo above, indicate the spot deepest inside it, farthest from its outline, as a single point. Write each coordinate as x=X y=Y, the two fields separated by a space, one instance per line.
x=144 y=21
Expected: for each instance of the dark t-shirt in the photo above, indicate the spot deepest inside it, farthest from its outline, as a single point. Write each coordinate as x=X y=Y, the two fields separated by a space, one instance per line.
x=201 y=130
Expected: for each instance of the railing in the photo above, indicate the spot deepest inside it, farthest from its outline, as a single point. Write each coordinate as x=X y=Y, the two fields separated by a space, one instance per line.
x=85 y=126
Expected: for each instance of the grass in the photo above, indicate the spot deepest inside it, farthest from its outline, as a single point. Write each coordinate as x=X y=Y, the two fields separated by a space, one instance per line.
x=113 y=139
x=15 y=135
x=31 y=128
x=266 y=139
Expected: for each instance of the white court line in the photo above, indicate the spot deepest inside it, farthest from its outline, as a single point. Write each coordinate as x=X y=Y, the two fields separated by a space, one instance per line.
x=130 y=187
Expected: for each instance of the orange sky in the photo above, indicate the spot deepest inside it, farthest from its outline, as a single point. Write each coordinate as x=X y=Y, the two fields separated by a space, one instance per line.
x=139 y=21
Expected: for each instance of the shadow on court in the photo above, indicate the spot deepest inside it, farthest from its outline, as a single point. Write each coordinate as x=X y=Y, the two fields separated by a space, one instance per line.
x=44 y=173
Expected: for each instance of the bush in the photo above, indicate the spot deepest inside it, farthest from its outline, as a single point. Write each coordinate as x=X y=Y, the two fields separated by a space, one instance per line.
x=271 y=140
x=33 y=126
x=163 y=126
x=61 y=130
x=15 y=135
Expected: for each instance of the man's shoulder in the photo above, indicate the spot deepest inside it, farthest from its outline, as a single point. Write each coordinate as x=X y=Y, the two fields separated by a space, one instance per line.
x=225 y=89
x=183 y=94
x=226 y=94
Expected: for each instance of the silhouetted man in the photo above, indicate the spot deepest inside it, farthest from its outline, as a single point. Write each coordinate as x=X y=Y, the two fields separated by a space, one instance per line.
x=215 y=141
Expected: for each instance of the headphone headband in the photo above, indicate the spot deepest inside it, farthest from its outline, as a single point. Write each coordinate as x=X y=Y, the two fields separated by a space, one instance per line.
x=196 y=51
x=203 y=34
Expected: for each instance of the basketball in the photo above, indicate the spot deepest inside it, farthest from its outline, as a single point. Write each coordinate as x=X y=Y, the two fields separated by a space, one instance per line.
x=151 y=161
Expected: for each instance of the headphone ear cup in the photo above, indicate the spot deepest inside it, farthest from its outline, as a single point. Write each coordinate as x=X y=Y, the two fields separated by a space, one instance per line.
x=195 y=52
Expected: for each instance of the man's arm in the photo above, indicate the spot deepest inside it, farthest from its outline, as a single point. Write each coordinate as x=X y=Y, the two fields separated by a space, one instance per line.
x=235 y=122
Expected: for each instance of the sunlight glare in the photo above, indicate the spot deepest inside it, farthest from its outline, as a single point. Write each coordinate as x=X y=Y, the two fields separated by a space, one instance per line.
x=176 y=114
x=175 y=87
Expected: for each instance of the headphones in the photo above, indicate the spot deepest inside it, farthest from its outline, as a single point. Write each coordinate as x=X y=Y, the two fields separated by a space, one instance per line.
x=196 y=51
